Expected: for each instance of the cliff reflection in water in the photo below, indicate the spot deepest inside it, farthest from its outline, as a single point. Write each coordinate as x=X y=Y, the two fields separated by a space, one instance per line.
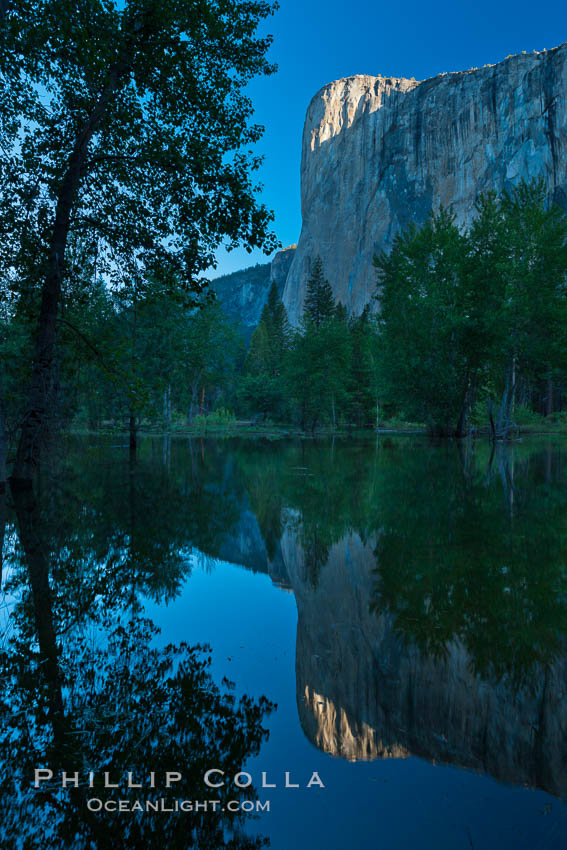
x=431 y=589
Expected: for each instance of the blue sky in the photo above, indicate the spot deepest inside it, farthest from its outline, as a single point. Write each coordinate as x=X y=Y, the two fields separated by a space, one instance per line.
x=316 y=42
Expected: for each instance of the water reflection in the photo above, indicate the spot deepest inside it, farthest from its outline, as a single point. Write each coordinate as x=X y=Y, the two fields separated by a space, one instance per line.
x=431 y=587
x=84 y=688
x=431 y=591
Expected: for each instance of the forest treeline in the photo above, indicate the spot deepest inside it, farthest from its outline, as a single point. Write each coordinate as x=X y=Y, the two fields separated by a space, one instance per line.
x=467 y=331
x=126 y=163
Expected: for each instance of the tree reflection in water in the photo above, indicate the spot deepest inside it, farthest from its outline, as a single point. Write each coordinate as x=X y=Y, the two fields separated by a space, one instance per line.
x=477 y=553
x=84 y=686
x=431 y=587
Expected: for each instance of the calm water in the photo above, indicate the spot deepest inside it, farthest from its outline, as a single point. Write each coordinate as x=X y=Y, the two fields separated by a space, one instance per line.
x=388 y=614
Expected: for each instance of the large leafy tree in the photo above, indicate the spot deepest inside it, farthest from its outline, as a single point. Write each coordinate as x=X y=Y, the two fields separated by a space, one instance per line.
x=133 y=137
x=533 y=312
x=466 y=314
x=425 y=370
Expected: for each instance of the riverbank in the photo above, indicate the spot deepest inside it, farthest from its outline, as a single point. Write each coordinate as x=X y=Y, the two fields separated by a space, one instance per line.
x=552 y=425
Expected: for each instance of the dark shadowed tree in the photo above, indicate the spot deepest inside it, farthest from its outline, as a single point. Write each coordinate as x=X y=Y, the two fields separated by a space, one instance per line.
x=424 y=366
x=135 y=139
x=262 y=386
x=319 y=301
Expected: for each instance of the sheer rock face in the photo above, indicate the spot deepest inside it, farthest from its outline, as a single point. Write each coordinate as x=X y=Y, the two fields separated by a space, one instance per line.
x=363 y=694
x=380 y=152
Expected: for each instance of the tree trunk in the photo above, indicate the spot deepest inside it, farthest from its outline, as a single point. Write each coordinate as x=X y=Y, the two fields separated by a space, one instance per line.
x=133 y=430
x=193 y=402
x=34 y=426
x=191 y=411
x=491 y=421
x=549 y=396
x=202 y=405
x=461 y=430
x=504 y=424
x=167 y=406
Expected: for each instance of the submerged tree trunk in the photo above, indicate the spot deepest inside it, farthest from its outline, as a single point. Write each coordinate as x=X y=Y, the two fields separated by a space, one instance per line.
x=38 y=571
x=133 y=431
x=500 y=430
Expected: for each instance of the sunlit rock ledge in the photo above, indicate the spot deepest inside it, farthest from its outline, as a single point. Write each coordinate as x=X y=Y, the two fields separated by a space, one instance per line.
x=380 y=152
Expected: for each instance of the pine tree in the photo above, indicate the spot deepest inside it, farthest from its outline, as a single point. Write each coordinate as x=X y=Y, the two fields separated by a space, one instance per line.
x=361 y=377
x=263 y=384
x=319 y=301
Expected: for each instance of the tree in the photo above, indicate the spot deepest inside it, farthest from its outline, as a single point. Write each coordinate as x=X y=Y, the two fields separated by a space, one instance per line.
x=476 y=313
x=424 y=366
x=362 y=373
x=533 y=309
x=211 y=351
x=139 y=145
x=122 y=701
x=319 y=300
x=263 y=386
x=319 y=357
x=317 y=376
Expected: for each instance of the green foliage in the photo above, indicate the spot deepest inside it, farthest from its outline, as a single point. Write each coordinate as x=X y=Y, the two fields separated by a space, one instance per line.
x=166 y=170
x=424 y=367
x=319 y=301
x=318 y=367
x=469 y=315
x=126 y=149
x=262 y=388
x=222 y=418
x=363 y=370
x=321 y=374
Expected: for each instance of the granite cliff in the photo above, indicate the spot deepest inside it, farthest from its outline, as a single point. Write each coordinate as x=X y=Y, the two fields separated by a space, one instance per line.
x=380 y=152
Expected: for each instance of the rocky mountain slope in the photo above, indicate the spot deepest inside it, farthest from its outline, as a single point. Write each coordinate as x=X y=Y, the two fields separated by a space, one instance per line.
x=243 y=294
